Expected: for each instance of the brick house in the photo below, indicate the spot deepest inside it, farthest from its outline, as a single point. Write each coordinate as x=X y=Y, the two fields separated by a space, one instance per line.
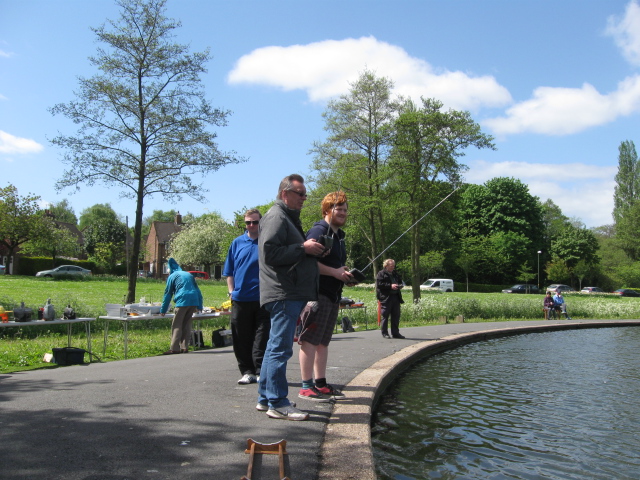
x=157 y=243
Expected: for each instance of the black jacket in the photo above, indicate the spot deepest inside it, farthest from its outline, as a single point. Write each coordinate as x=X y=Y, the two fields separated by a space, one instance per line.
x=384 y=280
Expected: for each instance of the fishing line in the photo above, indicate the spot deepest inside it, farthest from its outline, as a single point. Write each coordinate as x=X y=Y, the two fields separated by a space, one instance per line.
x=358 y=273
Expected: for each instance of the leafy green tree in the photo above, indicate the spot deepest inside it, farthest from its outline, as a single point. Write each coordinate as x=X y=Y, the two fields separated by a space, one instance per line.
x=20 y=219
x=143 y=120
x=472 y=251
x=525 y=274
x=583 y=270
x=508 y=251
x=431 y=264
x=554 y=221
x=574 y=245
x=98 y=213
x=355 y=154
x=504 y=211
x=204 y=241
x=627 y=229
x=557 y=271
x=627 y=189
x=428 y=144
x=502 y=204
x=629 y=275
x=52 y=241
x=104 y=241
x=63 y=212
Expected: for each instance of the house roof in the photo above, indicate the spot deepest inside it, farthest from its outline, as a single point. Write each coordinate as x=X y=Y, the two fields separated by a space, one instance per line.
x=164 y=230
x=73 y=229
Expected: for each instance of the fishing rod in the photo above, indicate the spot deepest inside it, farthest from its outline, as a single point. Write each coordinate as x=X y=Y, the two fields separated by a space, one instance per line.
x=358 y=275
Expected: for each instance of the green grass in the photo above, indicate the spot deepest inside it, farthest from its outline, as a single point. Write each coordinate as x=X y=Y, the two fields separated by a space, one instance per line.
x=22 y=348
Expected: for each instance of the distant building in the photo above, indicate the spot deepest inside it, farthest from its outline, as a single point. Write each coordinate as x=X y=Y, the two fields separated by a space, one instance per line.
x=157 y=243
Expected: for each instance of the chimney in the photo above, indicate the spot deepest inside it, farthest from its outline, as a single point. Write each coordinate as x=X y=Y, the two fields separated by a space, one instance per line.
x=178 y=219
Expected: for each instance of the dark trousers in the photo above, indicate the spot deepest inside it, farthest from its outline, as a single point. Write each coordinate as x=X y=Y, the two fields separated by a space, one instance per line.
x=250 y=325
x=390 y=310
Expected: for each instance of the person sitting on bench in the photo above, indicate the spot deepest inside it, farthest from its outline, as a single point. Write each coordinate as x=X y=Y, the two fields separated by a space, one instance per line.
x=560 y=305
x=549 y=307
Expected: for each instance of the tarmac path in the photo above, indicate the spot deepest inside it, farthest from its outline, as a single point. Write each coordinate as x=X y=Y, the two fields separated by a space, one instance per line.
x=185 y=417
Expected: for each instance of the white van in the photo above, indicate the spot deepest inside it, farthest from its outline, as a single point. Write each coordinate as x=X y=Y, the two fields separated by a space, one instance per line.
x=442 y=284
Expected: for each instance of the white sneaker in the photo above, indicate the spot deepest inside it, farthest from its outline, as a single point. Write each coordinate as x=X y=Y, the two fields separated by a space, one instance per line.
x=263 y=407
x=287 y=413
x=246 y=379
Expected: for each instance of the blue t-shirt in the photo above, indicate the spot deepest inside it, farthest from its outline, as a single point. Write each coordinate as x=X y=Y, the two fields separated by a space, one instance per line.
x=242 y=265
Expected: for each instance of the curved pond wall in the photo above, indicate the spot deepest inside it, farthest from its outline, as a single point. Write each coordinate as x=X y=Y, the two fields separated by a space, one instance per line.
x=545 y=405
x=346 y=450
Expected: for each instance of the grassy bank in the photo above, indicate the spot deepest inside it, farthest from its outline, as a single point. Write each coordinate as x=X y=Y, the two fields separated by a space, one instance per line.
x=22 y=348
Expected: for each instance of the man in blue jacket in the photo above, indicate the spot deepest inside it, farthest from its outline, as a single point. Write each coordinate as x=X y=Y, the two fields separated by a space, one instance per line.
x=560 y=305
x=186 y=294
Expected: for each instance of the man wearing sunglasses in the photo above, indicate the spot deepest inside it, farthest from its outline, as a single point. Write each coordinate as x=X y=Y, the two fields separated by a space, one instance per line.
x=288 y=280
x=249 y=321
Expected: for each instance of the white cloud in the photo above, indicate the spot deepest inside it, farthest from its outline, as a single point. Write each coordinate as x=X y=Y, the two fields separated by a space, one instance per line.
x=583 y=191
x=12 y=144
x=563 y=111
x=325 y=69
x=625 y=31
x=5 y=54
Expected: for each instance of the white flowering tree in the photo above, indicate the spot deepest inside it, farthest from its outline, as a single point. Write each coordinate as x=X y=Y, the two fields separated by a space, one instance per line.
x=203 y=242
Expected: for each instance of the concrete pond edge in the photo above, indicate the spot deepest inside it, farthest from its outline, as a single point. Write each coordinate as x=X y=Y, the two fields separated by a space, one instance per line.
x=346 y=452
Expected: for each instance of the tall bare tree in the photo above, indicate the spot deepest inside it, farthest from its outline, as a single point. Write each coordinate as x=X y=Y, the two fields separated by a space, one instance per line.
x=143 y=119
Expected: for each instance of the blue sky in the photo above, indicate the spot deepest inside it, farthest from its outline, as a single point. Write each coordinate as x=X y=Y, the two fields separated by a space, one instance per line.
x=556 y=83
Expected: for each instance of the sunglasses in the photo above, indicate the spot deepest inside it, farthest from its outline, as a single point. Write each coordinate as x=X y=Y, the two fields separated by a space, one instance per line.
x=302 y=194
x=252 y=222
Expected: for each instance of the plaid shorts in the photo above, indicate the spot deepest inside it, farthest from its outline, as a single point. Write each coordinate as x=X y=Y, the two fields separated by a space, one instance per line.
x=319 y=324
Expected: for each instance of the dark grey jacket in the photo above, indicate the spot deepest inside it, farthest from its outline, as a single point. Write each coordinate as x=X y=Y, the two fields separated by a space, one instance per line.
x=286 y=272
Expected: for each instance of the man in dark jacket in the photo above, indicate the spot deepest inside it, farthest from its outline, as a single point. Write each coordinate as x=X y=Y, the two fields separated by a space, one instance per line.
x=288 y=280
x=388 y=286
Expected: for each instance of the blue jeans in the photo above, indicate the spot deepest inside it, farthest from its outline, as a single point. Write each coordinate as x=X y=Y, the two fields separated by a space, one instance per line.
x=273 y=387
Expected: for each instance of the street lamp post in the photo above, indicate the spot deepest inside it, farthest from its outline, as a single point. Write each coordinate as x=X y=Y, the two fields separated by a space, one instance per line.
x=539 y=252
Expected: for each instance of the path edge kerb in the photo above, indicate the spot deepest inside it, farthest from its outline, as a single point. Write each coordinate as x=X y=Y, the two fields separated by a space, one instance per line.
x=346 y=452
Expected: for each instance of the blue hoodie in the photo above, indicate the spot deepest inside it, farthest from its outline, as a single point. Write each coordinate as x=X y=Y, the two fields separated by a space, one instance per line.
x=182 y=287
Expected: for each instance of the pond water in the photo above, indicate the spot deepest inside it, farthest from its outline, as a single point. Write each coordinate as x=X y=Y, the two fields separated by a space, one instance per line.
x=555 y=405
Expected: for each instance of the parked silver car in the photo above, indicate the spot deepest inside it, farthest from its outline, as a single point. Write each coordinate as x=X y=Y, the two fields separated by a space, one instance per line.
x=560 y=287
x=64 y=270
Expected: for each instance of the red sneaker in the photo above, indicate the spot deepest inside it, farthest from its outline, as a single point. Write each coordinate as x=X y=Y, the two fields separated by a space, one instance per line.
x=313 y=394
x=331 y=392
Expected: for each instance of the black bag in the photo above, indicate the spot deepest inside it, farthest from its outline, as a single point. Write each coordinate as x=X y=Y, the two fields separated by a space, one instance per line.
x=69 y=313
x=221 y=338
x=22 y=313
x=68 y=356
x=347 y=326
x=197 y=340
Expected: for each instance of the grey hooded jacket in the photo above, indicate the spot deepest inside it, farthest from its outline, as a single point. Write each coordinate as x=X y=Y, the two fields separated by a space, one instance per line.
x=286 y=271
